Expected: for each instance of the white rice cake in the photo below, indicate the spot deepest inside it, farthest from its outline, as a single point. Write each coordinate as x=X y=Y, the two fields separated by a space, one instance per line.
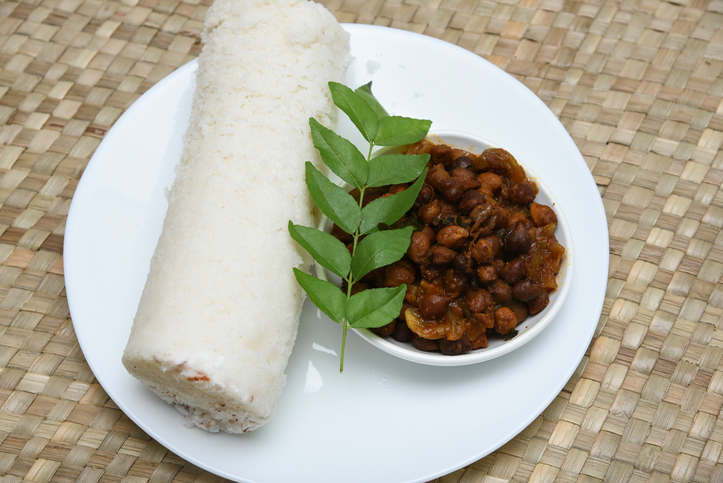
x=220 y=309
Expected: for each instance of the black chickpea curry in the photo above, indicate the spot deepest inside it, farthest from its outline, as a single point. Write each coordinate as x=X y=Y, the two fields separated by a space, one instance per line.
x=482 y=258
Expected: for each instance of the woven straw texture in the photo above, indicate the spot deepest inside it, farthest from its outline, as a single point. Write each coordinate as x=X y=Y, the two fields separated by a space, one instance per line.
x=638 y=85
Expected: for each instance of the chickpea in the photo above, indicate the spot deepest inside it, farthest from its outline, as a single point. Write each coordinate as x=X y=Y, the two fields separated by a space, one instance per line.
x=454 y=285
x=537 y=304
x=426 y=194
x=505 y=320
x=485 y=190
x=500 y=216
x=430 y=212
x=434 y=305
x=436 y=175
x=481 y=213
x=494 y=181
x=482 y=251
x=526 y=290
x=514 y=271
x=418 y=246
x=542 y=214
x=451 y=188
x=487 y=273
x=452 y=236
x=447 y=208
x=429 y=231
x=490 y=216
x=454 y=347
x=460 y=162
x=385 y=330
x=440 y=153
x=430 y=271
x=424 y=344
x=494 y=243
x=398 y=273
x=467 y=178
x=480 y=163
x=442 y=255
x=462 y=264
x=496 y=159
x=500 y=291
x=523 y=193
x=520 y=310
x=470 y=200
x=514 y=218
x=402 y=332
x=479 y=300
x=518 y=239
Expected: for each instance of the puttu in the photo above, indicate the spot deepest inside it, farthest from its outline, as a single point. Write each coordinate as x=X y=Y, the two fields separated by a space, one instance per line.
x=220 y=308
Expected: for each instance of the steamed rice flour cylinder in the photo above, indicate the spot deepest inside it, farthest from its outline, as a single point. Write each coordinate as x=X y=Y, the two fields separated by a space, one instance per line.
x=219 y=312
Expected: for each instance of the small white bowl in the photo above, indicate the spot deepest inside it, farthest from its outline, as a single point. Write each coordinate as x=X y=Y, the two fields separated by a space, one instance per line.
x=530 y=327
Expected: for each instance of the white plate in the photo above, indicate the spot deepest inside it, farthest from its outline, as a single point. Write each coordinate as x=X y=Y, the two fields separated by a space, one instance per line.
x=384 y=419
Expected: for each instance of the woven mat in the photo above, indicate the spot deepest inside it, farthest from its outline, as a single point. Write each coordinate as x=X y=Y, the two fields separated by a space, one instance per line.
x=638 y=85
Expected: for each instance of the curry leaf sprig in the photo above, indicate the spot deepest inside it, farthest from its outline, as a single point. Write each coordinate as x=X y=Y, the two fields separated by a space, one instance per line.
x=374 y=245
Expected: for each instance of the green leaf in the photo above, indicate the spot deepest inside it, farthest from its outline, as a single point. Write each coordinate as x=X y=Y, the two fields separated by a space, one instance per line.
x=325 y=295
x=326 y=249
x=375 y=307
x=395 y=168
x=340 y=155
x=389 y=209
x=357 y=108
x=365 y=92
x=380 y=249
x=398 y=131
x=333 y=200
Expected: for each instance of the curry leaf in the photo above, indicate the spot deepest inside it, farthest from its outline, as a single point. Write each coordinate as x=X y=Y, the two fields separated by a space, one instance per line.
x=342 y=157
x=398 y=131
x=395 y=168
x=365 y=92
x=326 y=249
x=357 y=108
x=375 y=307
x=389 y=209
x=371 y=247
x=379 y=249
x=325 y=295
x=333 y=200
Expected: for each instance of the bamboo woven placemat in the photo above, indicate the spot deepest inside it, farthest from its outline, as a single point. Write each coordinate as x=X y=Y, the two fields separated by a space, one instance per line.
x=638 y=85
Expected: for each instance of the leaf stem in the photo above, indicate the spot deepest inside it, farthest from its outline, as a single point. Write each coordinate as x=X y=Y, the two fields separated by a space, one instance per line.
x=350 y=280
x=345 y=327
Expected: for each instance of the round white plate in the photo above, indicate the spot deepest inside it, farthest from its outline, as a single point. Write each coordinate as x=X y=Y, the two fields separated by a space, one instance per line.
x=383 y=419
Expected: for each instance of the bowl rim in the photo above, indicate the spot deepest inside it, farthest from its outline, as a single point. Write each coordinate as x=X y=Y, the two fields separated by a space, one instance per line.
x=408 y=352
